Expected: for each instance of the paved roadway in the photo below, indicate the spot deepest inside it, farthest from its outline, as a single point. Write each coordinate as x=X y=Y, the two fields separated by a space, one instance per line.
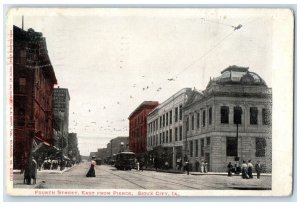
x=107 y=177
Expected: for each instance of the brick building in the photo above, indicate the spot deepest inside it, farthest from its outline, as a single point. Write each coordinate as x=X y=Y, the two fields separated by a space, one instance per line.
x=229 y=121
x=138 y=127
x=34 y=79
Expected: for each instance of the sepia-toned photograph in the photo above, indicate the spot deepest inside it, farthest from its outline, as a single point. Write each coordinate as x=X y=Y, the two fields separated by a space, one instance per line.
x=149 y=101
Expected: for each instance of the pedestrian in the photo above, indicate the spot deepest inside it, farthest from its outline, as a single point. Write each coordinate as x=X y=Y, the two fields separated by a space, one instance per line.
x=166 y=165
x=142 y=165
x=202 y=166
x=250 y=169
x=27 y=177
x=33 y=171
x=205 y=166
x=197 y=164
x=258 y=169
x=138 y=166
x=91 y=172
x=155 y=164
x=244 y=170
x=187 y=167
x=229 y=167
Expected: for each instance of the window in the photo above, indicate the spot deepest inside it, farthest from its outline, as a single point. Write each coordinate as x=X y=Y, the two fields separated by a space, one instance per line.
x=163 y=137
x=167 y=136
x=167 y=118
x=231 y=146
x=176 y=133
x=159 y=138
x=156 y=141
x=191 y=148
x=170 y=133
x=176 y=114
x=180 y=112
x=187 y=123
x=160 y=121
x=198 y=120
x=260 y=147
x=266 y=116
x=253 y=115
x=210 y=115
x=180 y=133
x=171 y=117
x=193 y=122
x=208 y=141
x=196 y=148
x=163 y=120
x=237 y=115
x=203 y=118
x=224 y=115
x=202 y=147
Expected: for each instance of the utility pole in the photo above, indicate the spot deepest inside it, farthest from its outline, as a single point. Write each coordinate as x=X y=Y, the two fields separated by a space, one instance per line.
x=62 y=141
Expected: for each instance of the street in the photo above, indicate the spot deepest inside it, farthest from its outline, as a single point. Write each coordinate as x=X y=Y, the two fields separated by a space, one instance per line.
x=107 y=177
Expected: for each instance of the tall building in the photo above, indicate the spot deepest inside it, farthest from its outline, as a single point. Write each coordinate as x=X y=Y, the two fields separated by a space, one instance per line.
x=61 y=115
x=138 y=127
x=165 y=129
x=34 y=79
x=230 y=121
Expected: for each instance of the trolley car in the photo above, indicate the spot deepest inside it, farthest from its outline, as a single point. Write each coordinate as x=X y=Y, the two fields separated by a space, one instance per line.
x=125 y=161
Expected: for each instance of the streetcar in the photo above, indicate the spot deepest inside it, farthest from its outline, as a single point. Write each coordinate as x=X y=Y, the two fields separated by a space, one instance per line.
x=125 y=161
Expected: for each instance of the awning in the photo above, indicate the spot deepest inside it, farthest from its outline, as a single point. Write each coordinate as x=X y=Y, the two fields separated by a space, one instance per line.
x=39 y=142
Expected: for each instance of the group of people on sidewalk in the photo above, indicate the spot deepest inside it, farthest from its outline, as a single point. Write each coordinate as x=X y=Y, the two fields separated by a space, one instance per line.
x=203 y=167
x=246 y=169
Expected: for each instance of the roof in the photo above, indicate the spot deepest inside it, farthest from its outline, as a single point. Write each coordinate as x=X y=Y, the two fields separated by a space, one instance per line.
x=171 y=98
x=35 y=43
x=144 y=105
x=238 y=75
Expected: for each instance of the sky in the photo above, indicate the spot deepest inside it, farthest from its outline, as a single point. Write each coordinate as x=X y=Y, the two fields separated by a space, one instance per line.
x=112 y=60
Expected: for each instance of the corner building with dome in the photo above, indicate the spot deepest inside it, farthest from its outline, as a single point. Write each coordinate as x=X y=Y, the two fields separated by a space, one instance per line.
x=230 y=121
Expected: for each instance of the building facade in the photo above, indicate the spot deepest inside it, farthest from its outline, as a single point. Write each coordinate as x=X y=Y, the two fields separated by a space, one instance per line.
x=34 y=79
x=61 y=116
x=230 y=121
x=165 y=130
x=138 y=127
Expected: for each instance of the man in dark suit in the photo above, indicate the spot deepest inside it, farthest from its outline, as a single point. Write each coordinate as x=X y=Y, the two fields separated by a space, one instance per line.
x=258 y=169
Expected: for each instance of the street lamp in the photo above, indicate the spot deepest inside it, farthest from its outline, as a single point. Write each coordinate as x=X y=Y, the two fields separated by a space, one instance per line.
x=237 y=120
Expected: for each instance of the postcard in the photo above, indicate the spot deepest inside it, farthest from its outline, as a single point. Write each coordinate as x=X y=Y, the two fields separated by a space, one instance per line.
x=160 y=102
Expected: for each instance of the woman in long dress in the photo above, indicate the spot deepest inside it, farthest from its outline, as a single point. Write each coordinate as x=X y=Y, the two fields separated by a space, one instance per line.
x=244 y=170
x=91 y=172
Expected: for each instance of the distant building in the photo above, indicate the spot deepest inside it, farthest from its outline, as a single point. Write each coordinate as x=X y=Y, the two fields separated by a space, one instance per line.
x=118 y=144
x=73 y=151
x=34 y=79
x=165 y=129
x=138 y=127
x=61 y=115
x=230 y=121
x=101 y=153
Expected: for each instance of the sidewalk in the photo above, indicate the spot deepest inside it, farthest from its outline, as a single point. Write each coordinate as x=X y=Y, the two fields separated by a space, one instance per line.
x=19 y=178
x=199 y=173
x=57 y=171
x=225 y=174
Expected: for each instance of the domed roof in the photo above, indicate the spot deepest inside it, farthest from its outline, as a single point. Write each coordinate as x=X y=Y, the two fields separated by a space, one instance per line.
x=239 y=75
